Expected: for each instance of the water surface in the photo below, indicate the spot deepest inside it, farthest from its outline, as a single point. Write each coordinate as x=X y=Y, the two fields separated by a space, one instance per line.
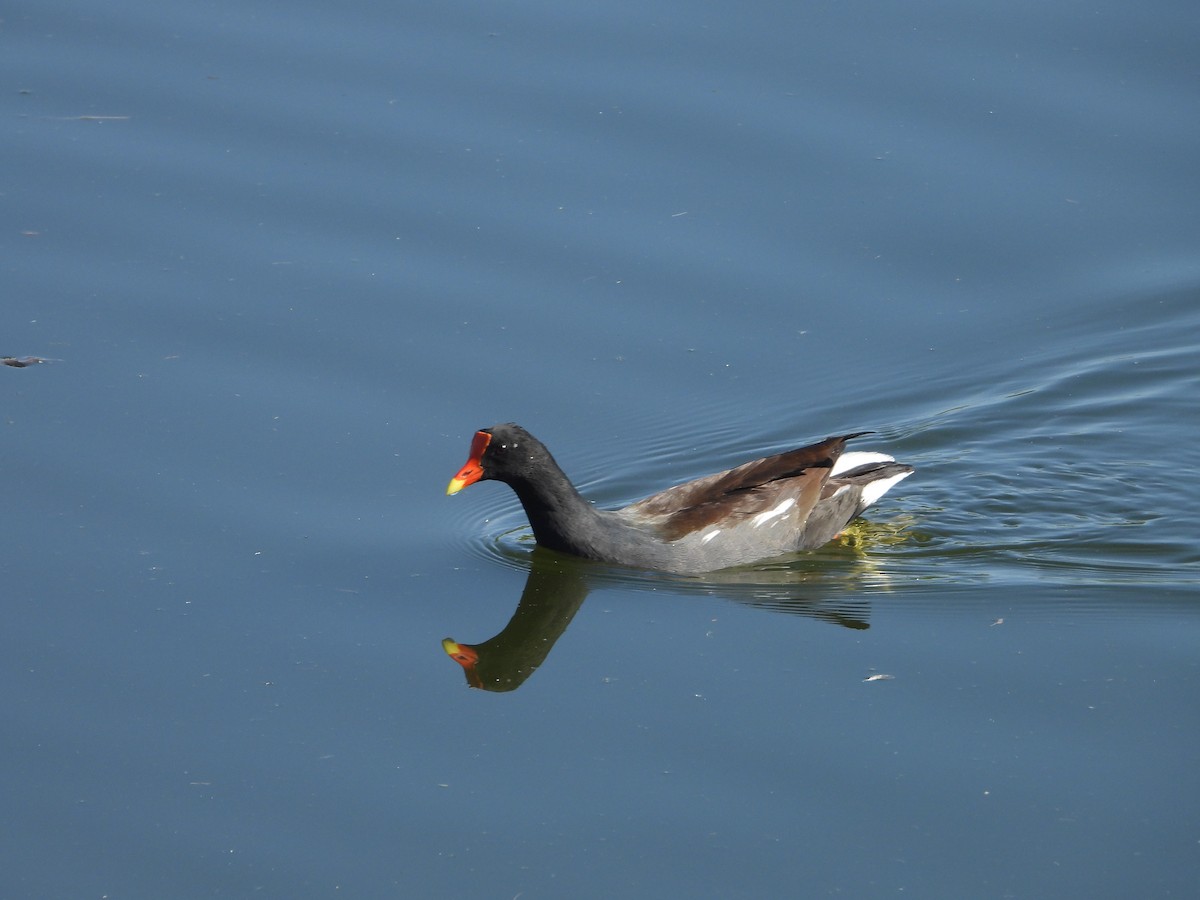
x=287 y=260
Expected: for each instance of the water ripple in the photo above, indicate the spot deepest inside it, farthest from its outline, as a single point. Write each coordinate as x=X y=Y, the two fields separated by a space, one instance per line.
x=1009 y=486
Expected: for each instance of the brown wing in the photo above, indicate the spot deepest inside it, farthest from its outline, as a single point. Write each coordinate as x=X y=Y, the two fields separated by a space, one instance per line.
x=743 y=491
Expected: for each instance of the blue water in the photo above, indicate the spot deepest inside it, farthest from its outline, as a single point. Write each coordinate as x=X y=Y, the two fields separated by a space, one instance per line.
x=285 y=259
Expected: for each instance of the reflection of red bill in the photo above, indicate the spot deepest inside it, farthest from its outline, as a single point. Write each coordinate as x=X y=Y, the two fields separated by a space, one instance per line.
x=473 y=470
x=466 y=656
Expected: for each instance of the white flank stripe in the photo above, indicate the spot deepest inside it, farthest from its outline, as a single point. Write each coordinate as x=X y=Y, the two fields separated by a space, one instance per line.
x=763 y=518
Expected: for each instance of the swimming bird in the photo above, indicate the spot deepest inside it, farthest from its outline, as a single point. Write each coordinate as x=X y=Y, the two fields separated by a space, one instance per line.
x=760 y=510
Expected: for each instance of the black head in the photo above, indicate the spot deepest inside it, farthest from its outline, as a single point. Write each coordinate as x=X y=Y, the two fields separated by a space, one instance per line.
x=506 y=453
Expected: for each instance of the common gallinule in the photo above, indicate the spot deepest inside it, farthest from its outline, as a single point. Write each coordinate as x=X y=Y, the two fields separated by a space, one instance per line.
x=759 y=510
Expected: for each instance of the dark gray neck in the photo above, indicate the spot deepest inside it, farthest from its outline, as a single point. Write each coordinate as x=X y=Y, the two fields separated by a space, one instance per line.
x=559 y=515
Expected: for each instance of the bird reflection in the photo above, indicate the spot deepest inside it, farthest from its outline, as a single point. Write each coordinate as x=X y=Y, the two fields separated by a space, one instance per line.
x=553 y=594
x=558 y=585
